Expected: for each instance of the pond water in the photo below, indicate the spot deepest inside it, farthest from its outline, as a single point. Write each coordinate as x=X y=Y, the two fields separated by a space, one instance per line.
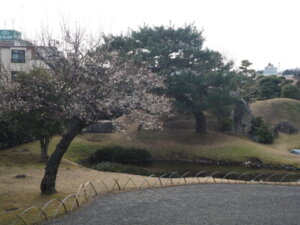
x=181 y=167
x=296 y=151
x=192 y=169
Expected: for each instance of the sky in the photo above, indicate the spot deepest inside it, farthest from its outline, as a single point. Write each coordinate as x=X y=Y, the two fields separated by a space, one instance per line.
x=262 y=31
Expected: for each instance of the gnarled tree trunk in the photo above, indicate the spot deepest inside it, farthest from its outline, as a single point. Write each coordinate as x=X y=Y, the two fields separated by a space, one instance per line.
x=200 y=122
x=48 y=182
x=44 y=143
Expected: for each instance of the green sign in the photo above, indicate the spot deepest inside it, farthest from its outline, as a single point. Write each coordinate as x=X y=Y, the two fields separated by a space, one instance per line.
x=9 y=35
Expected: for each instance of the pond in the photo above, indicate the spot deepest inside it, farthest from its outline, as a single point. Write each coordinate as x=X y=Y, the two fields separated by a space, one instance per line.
x=138 y=161
x=194 y=168
x=295 y=151
x=191 y=169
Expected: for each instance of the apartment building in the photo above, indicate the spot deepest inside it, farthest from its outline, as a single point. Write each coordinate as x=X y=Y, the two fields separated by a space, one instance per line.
x=270 y=70
x=16 y=55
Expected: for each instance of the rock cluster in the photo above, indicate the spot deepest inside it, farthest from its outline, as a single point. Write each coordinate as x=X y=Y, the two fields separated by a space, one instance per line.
x=286 y=127
x=105 y=126
x=241 y=118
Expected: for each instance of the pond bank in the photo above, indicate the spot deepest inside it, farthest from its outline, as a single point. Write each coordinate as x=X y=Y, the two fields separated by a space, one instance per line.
x=188 y=168
x=251 y=163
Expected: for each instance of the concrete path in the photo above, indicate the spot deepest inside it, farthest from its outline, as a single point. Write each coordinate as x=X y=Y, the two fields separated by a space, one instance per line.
x=214 y=204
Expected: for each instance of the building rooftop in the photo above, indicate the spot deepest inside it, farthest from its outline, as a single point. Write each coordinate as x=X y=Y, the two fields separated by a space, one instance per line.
x=9 y=35
x=270 y=70
x=10 y=38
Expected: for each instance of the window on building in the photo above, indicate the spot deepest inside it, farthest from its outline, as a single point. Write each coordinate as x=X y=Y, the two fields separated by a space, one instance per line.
x=18 y=56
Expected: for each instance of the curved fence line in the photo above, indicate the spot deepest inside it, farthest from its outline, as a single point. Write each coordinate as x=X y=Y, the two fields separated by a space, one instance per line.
x=212 y=176
x=27 y=210
x=282 y=179
x=228 y=174
x=272 y=175
x=184 y=175
x=91 y=189
x=104 y=184
x=64 y=205
x=129 y=180
x=116 y=183
x=145 y=181
x=170 y=177
x=49 y=202
x=259 y=175
x=244 y=174
x=198 y=174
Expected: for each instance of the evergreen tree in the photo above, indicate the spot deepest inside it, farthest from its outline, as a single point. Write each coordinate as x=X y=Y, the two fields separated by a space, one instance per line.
x=270 y=87
x=197 y=78
x=247 y=83
x=291 y=91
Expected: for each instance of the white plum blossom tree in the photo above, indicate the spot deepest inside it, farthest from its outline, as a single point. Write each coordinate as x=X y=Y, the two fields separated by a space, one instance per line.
x=88 y=83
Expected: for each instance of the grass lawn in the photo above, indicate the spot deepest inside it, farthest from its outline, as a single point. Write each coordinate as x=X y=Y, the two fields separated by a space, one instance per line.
x=177 y=144
x=17 y=195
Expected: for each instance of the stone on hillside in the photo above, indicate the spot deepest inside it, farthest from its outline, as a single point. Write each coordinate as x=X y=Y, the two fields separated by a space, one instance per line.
x=286 y=127
x=241 y=118
x=254 y=138
x=274 y=132
x=105 y=126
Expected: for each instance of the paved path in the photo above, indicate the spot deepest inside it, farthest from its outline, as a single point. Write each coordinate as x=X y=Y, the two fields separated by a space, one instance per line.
x=213 y=204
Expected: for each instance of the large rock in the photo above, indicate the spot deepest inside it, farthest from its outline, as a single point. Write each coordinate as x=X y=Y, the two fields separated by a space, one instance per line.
x=286 y=127
x=241 y=118
x=105 y=126
x=274 y=132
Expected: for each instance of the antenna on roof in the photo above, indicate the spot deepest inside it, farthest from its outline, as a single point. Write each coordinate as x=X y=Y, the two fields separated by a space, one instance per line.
x=13 y=23
x=22 y=17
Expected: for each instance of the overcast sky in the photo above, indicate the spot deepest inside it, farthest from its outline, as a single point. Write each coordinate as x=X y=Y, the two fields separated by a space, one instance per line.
x=261 y=31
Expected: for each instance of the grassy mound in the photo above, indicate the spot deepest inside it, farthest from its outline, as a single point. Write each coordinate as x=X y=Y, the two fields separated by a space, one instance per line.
x=278 y=109
x=176 y=145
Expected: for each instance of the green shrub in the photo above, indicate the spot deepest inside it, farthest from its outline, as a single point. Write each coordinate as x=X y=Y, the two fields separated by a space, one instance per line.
x=225 y=124
x=12 y=135
x=260 y=132
x=291 y=91
x=121 y=168
x=120 y=154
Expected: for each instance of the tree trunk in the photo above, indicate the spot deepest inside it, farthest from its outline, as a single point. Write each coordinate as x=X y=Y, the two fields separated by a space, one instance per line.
x=200 y=122
x=48 y=182
x=44 y=142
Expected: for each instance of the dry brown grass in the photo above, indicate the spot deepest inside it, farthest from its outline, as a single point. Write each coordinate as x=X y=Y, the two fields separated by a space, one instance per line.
x=22 y=193
x=278 y=109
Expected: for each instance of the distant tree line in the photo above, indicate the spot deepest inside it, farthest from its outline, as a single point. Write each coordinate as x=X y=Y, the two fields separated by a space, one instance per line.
x=277 y=87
